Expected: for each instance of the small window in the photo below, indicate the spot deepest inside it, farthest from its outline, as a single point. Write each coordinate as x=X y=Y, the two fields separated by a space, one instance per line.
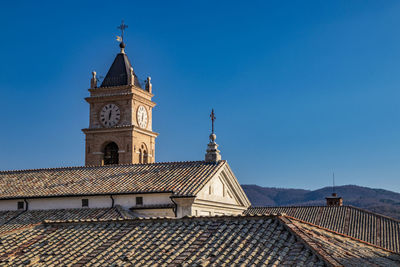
x=85 y=202
x=139 y=200
x=20 y=205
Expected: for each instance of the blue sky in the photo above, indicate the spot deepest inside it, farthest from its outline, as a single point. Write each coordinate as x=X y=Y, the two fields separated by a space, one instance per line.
x=300 y=88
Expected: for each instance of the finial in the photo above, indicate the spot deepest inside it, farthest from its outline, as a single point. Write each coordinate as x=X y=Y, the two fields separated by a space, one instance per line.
x=148 y=84
x=122 y=46
x=132 y=76
x=212 y=154
x=93 y=81
x=120 y=39
x=213 y=118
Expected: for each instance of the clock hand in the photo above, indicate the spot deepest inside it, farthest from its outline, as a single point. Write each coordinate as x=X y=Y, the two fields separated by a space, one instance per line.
x=109 y=115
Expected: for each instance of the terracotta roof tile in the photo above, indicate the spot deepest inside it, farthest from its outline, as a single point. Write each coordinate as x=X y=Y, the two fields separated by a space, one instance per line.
x=195 y=241
x=180 y=178
x=215 y=241
x=20 y=219
x=355 y=222
x=342 y=249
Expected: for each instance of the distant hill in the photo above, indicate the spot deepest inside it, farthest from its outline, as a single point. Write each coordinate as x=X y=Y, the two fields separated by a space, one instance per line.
x=377 y=200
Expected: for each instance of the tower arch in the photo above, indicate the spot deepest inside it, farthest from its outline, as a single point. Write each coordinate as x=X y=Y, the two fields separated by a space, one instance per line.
x=111 y=155
x=143 y=154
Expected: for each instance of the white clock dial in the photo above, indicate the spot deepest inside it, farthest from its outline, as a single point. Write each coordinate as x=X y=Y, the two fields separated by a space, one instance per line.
x=142 y=117
x=110 y=115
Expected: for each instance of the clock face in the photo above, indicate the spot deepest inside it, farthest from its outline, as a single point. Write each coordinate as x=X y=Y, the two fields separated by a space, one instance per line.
x=142 y=117
x=110 y=115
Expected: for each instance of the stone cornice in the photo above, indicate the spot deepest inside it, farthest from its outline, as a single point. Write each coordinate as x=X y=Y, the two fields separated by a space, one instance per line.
x=237 y=188
x=144 y=131
x=128 y=88
x=120 y=96
x=120 y=129
x=217 y=204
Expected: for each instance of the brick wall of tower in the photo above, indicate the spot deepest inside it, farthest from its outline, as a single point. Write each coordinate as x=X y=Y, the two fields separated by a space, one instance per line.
x=127 y=134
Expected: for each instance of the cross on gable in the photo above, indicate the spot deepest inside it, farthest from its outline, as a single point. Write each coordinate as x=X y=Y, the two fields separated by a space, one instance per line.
x=212 y=116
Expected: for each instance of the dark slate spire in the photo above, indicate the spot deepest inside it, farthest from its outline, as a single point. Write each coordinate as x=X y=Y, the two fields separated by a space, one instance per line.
x=121 y=71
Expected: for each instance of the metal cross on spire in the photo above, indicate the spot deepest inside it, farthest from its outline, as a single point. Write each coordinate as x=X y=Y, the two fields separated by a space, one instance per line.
x=122 y=27
x=212 y=116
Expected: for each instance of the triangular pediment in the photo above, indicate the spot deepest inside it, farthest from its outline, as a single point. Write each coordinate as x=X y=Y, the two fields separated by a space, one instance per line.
x=223 y=188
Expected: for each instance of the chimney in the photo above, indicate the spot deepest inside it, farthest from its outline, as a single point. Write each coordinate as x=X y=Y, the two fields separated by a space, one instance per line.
x=334 y=200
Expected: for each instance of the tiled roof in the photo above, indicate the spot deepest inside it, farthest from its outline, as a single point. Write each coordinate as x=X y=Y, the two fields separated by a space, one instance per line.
x=341 y=250
x=10 y=220
x=150 y=242
x=373 y=228
x=214 y=241
x=180 y=178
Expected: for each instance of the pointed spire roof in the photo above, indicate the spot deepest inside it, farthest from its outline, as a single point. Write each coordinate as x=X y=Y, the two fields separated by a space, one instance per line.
x=120 y=71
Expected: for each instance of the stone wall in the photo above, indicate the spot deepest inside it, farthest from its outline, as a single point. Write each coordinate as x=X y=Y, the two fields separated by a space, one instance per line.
x=127 y=134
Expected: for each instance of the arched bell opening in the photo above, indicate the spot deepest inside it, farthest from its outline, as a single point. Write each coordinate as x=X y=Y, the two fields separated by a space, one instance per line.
x=111 y=155
x=143 y=154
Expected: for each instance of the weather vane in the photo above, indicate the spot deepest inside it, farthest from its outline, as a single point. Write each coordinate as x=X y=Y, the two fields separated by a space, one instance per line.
x=122 y=27
x=212 y=116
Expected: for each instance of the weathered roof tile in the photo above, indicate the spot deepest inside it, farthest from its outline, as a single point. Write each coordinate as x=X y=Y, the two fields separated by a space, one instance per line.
x=180 y=178
x=23 y=219
x=355 y=222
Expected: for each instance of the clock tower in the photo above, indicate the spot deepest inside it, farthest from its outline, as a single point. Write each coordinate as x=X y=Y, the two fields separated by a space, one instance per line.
x=120 y=126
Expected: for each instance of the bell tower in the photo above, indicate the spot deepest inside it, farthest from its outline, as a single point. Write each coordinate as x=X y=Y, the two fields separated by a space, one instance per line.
x=120 y=126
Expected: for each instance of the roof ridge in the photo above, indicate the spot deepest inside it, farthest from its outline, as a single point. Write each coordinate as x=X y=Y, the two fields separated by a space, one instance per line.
x=307 y=241
x=338 y=233
x=13 y=217
x=101 y=166
x=100 y=220
x=66 y=209
x=324 y=206
x=123 y=212
x=297 y=206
